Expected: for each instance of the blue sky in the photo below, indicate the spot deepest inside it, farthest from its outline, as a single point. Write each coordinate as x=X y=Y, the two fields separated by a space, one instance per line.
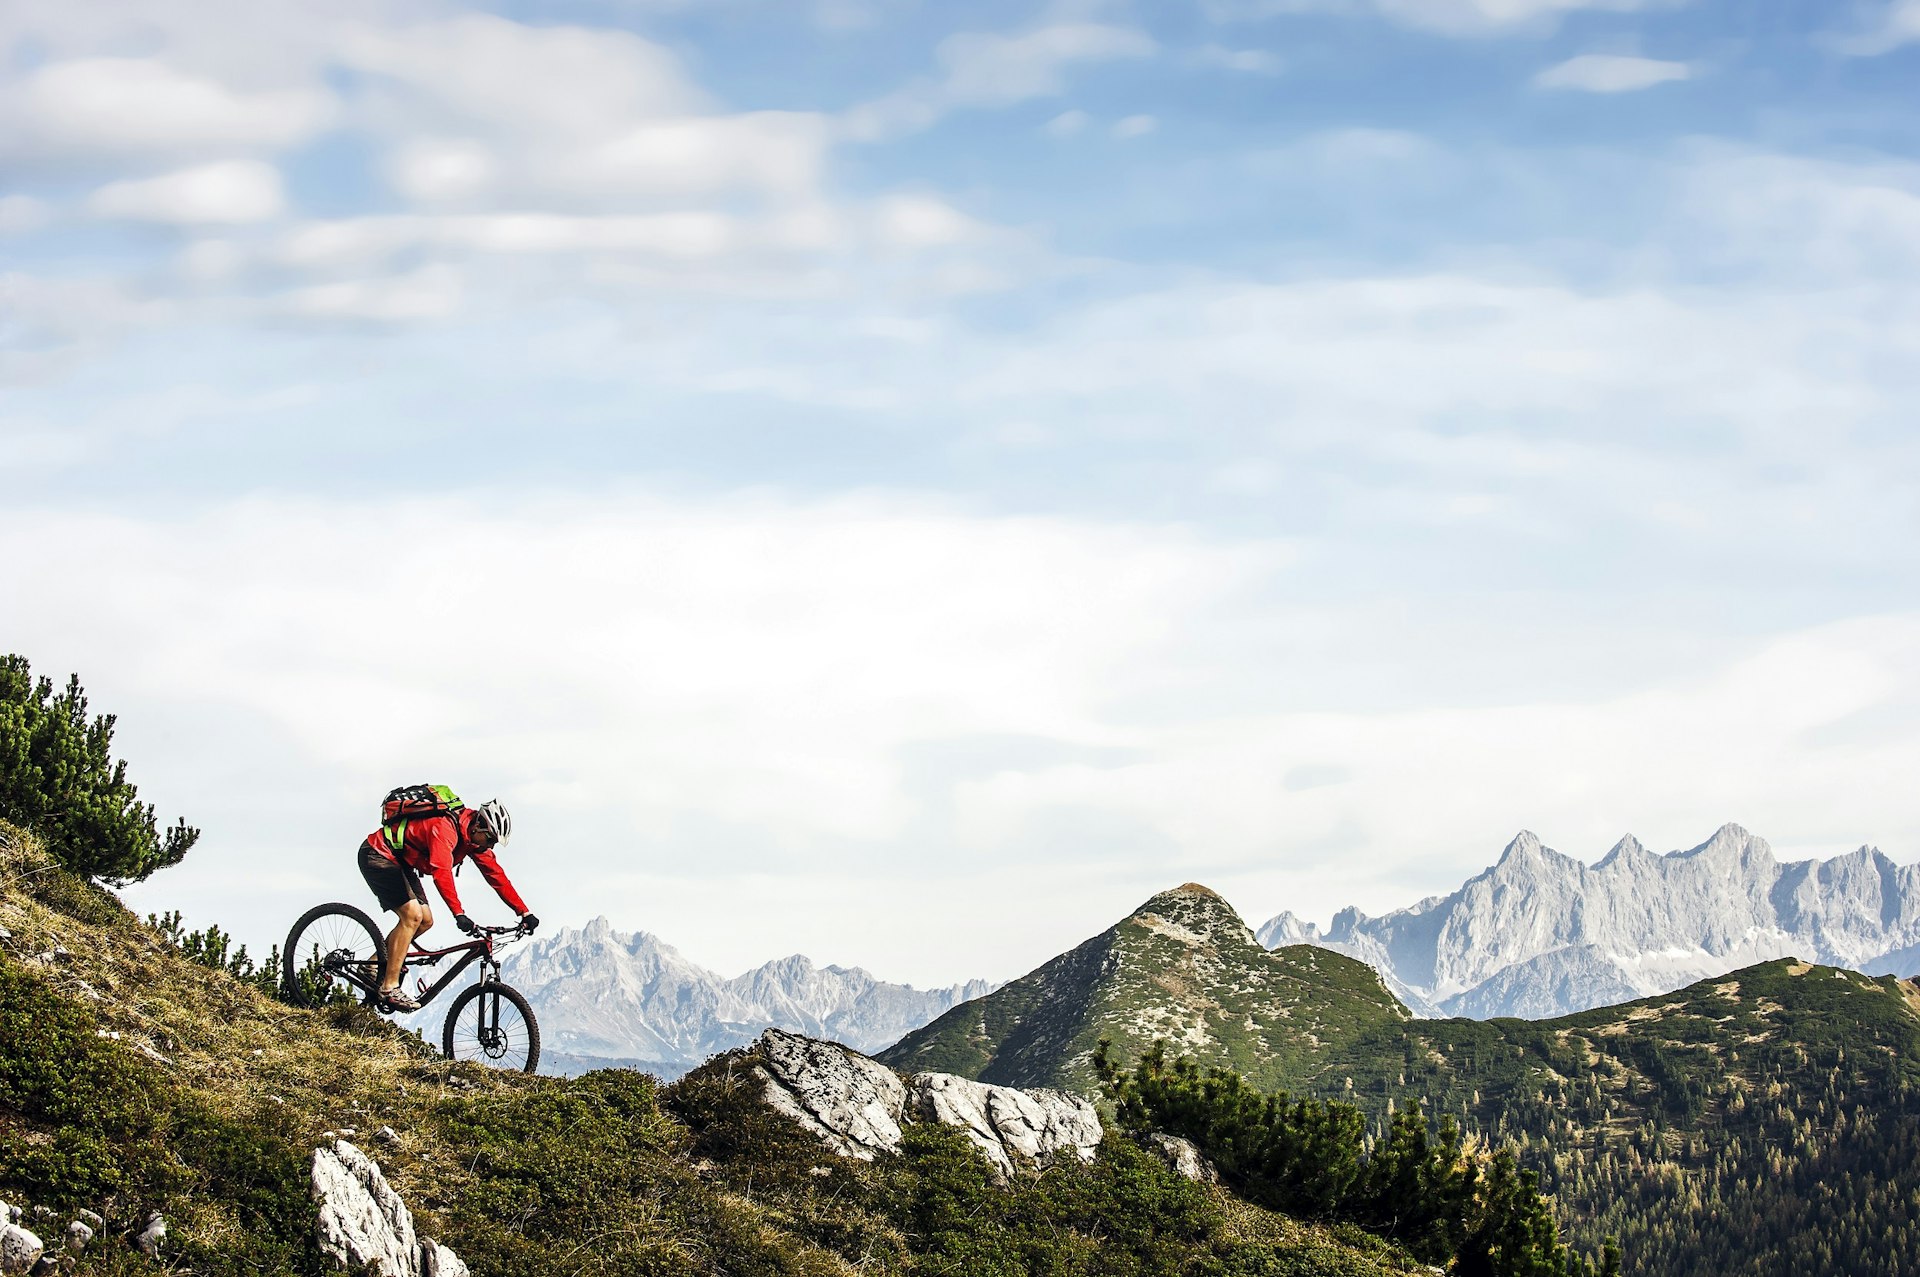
x=905 y=483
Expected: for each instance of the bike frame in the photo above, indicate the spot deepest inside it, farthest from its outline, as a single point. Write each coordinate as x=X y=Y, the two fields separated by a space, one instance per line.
x=479 y=949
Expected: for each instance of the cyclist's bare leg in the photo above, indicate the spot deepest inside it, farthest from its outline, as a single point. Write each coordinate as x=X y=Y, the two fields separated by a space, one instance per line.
x=411 y=919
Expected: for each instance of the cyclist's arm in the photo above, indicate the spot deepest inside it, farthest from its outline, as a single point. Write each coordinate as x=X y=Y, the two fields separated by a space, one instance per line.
x=497 y=879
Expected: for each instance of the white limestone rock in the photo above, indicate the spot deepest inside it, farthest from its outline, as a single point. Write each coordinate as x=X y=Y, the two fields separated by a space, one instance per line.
x=19 y=1249
x=438 y=1261
x=1009 y=1125
x=151 y=1236
x=855 y=1105
x=851 y=1102
x=361 y=1218
x=1184 y=1157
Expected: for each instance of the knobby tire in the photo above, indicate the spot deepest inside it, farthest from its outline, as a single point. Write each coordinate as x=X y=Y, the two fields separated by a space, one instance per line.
x=528 y=1028
x=331 y=926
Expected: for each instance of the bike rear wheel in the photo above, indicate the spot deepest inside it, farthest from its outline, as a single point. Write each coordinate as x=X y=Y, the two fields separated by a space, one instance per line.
x=326 y=936
x=492 y=1024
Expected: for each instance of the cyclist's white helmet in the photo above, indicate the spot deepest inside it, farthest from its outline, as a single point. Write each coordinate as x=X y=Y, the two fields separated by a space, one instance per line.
x=495 y=819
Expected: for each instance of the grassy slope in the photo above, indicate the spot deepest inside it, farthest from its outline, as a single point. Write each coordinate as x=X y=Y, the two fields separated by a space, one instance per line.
x=208 y=1102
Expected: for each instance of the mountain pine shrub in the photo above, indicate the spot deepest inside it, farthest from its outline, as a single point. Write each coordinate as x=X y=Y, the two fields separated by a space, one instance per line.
x=58 y=778
x=1313 y=1159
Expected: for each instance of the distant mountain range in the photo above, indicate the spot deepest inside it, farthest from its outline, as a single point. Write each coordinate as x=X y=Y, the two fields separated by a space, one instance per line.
x=607 y=997
x=1541 y=934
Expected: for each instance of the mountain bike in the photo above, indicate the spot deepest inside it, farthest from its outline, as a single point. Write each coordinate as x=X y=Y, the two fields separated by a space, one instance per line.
x=489 y=1021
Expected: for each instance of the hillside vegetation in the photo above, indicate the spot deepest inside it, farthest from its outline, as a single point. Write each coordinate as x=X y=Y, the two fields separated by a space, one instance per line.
x=134 y=1079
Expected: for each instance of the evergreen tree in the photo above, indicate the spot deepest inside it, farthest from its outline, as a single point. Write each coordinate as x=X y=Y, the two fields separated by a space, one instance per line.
x=58 y=778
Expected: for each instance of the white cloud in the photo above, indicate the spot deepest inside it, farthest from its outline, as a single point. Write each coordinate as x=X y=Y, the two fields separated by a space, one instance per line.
x=231 y=191
x=1611 y=73
x=736 y=692
x=552 y=81
x=1133 y=126
x=1068 y=124
x=924 y=221
x=490 y=112
x=752 y=702
x=431 y=292
x=1777 y=739
x=134 y=106
x=1893 y=26
x=993 y=70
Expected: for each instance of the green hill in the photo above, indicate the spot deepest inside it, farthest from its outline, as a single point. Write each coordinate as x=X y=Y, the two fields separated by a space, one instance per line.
x=1763 y=1123
x=1182 y=968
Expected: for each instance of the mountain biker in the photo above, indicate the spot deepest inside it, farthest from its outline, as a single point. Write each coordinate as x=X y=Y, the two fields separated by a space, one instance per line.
x=434 y=846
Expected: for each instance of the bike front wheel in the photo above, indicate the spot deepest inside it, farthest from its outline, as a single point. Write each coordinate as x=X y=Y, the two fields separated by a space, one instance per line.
x=328 y=941
x=493 y=1024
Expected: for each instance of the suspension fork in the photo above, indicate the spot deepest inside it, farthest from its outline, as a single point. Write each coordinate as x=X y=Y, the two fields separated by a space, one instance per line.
x=489 y=1003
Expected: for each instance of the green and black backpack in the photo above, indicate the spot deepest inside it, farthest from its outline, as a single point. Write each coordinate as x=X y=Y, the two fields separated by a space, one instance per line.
x=415 y=802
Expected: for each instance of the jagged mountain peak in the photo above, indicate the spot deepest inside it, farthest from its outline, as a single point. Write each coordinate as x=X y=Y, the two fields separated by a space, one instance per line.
x=1288 y=928
x=1524 y=845
x=1730 y=841
x=1627 y=849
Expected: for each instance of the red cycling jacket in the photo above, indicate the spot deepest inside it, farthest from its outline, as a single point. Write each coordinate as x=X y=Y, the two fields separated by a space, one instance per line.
x=434 y=845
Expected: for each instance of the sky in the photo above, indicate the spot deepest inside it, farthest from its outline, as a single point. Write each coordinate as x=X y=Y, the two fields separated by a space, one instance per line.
x=903 y=482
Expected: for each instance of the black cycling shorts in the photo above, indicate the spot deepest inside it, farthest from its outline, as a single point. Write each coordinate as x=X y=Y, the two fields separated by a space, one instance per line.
x=392 y=883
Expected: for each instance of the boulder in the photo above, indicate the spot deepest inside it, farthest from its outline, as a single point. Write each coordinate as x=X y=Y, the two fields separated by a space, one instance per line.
x=19 y=1249
x=1184 y=1157
x=151 y=1236
x=851 y=1102
x=1008 y=1124
x=78 y=1235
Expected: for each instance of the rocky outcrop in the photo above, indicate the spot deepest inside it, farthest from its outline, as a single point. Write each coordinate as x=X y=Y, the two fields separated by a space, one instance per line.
x=617 y=996
x=856 y=1106
x=1541 y=934
x=852 y=1103
x=1007 y=1123
x=363 y=1223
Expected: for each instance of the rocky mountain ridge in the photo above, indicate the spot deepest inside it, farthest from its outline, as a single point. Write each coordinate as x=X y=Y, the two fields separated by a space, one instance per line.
x=1541 y=934
x=631 y=998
